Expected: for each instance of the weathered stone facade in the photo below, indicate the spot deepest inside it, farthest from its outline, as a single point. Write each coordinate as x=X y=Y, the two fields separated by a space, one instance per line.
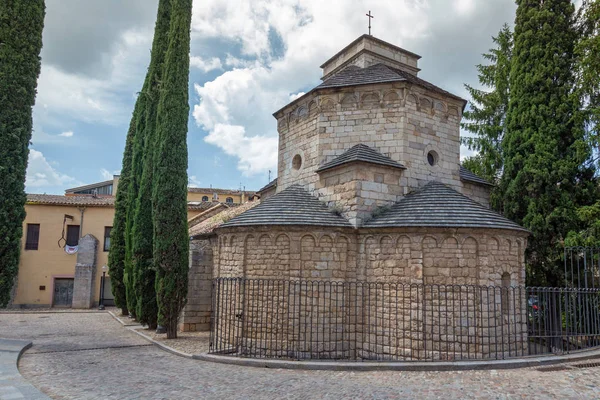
x=85 y=272
x=372 y=234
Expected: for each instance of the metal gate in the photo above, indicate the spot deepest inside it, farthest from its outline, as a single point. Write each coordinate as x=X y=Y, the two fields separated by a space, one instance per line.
x=63 y=292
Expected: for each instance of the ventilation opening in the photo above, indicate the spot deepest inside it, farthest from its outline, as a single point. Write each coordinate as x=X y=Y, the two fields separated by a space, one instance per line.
x=432 y=158
x=297 y=162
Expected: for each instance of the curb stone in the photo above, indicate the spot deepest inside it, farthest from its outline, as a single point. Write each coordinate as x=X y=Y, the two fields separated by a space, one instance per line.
x=135 y=329
x=12 y=383
x=525 y=362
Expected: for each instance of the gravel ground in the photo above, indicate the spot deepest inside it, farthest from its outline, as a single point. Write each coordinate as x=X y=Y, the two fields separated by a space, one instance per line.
x=92 y=356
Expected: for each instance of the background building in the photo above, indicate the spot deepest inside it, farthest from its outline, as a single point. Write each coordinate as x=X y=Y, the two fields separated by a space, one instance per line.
x=54 y=226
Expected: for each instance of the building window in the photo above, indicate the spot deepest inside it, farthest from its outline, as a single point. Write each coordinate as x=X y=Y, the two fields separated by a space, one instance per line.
x=72 y=235
x=107 y=230
x=204 y=198
x=229 y=200
x=33 y=237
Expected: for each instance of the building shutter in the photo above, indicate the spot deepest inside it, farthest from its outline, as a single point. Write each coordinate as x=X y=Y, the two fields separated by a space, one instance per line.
x=33 y=237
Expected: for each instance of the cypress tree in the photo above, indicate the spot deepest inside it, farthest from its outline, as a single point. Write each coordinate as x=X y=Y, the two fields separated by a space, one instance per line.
x=21 y=25
x=546 y=174
x=116 y=255
x=171 y=244
x=138 y=121
x=144 y=272
x=487 y=113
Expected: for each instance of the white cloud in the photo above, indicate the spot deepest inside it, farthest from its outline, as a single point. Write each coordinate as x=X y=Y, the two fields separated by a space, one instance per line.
x=42 y=174
x=256 y=153
x=107 y=175
x=205 y=65
x=236 y=107
x=71 y=96
x=193 y=181
x=66 y=134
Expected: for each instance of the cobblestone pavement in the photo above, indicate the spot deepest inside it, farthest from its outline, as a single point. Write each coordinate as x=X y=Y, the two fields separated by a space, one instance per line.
x=91 y=356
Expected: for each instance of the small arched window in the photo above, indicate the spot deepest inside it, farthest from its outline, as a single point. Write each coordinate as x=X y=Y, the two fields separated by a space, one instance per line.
x=204 y=198
x=229 y=200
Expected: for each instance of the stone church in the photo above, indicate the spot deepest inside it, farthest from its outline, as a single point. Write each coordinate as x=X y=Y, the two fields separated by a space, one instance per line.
x=369 y=189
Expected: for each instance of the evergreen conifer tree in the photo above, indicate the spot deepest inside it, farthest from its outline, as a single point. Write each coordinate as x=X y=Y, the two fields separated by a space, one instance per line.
x=171 y=244
x=546 y=175
x=139 y=121
x=144 y=272
x=487 y=114
x=21 y=25
x=116 y=255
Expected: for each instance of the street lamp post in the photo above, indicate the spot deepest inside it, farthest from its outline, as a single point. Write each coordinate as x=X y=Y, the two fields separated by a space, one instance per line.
x=102 y=282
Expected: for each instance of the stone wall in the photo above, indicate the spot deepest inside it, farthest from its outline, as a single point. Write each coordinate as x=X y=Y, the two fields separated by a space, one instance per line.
x=197 y=311
x=402 y=293
x=357 y=189
x=400 y=121
x=85 y=272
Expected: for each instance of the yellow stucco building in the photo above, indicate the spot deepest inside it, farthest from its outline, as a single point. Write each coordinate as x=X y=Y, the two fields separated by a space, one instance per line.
x=52 y=231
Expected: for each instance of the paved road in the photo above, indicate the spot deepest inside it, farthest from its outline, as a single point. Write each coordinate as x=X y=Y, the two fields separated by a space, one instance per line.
x=91 y=356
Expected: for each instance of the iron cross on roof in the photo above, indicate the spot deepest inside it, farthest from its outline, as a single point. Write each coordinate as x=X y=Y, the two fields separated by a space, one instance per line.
x=370 y=16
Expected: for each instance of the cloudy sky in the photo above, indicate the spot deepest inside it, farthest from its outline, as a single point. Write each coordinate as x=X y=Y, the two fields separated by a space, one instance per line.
x=248 y=59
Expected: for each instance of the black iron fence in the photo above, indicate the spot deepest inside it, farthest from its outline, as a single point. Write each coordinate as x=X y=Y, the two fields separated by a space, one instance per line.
x=582 y=267
x=296 y=319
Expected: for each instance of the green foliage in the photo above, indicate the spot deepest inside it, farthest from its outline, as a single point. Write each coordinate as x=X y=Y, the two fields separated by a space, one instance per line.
x=171 y=243
x=587 y=51
x=546 y=175
x=116 y=255
x=138 y=120
x=487 y=113
x=21 y=24
x=589 y=217
x=143 y=269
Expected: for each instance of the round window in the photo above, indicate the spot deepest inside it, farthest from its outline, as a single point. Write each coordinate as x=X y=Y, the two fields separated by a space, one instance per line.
x=432 y=158
x=297 y=162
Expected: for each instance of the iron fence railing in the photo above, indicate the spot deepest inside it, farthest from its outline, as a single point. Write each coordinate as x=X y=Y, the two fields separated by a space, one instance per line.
x=582 y=267
x=297 y=319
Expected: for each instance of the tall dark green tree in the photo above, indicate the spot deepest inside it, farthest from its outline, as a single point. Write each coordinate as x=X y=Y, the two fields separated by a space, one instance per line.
x=546 y=175
x=587 y=52
x=171 y=244
x=21 y=25
x=144 y=272
x=133 y=187
x=487 y=114
x=116 y=255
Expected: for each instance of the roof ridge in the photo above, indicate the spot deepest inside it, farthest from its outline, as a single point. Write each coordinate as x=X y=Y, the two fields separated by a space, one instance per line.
x=360 y=153
x=292 y=206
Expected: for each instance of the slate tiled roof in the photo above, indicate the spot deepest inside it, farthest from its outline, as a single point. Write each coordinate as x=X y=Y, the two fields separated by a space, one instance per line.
x=58 y=200
x=466 y=175
x=268 y=186
x=292 y=206
x=437 y=205
x=378 y=73
x=361 y=152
